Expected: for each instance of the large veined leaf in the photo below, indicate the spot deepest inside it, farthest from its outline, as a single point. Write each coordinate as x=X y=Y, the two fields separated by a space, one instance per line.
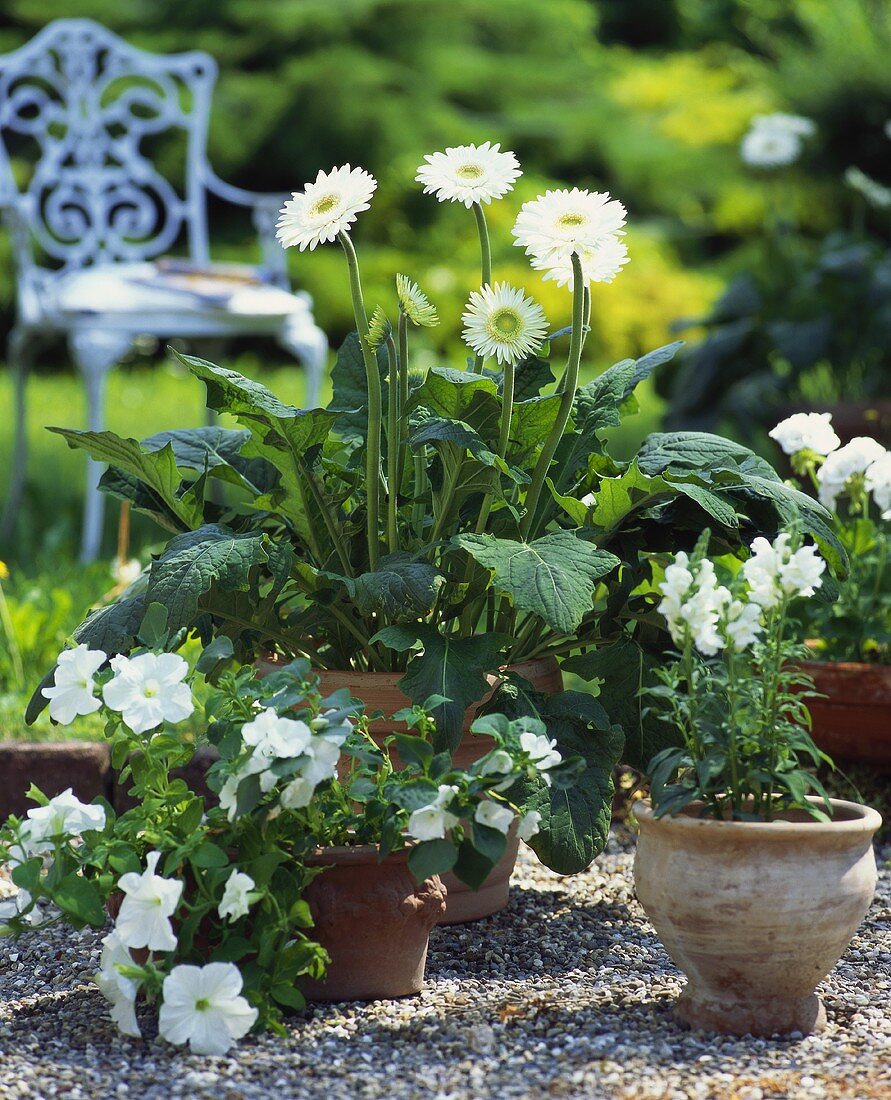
x=453 y=668
x=124 y=486
x=350 y=388
x=460 y=395
x=156 y=469
x=401 y=588
x=436 y=430
x=700 y=453
x=530 y=424
x=216 y=451
x=531 y=376
x=553 y=577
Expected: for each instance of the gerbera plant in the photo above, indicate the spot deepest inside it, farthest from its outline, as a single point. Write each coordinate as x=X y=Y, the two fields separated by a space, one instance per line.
x=447 y=523
x=206 y=895
x=853 y=622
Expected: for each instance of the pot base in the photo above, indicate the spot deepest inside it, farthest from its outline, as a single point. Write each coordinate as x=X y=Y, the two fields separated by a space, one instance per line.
x=759 y=1018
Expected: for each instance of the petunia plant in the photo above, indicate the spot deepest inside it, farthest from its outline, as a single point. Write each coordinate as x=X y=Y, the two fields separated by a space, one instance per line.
x=206 y=894
x=452 y=523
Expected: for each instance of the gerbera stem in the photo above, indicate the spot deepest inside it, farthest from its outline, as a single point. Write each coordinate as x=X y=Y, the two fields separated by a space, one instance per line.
x=392 y=446
x=507 y=407
x=403 y=396
x=485 y=263
x=375 y=404
x=567 y=397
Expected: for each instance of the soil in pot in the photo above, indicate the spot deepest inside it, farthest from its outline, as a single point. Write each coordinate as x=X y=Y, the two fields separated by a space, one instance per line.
x=755 y=913
x=374 y=921
x=853 y=721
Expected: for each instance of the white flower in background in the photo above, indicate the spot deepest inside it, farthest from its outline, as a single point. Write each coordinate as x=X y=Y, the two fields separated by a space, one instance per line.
x=415 y=304
x=323 y=756
x=742 y=624
x=229 y=795
x=469 y=173
x=149 y=902
x=785 y=123
x=147 y=690
x=125 y=571
x=806 y=432
x=63 y=816
x=325 y=208
x=202 y=1005
x=600 y=264
x=298 y=793
x=875 y=193
x=494 y=815
x=73 y=692
x=121 y=992
x=878 y=482
x=542 y=752
x=558 y=223
x=503 y=322
x=235 y=902
x=528 y=825
x=854 y=458
x=276 y=738
x=774 y=571
x=775 y=140
x=693 y=602
x=431 y=822
x=14 y=905
x=498 y=762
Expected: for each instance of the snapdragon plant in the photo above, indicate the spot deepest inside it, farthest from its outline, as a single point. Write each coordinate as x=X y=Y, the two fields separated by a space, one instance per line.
x=854 y=482
x=445 y=524
x=733 y=690
x=207 y=896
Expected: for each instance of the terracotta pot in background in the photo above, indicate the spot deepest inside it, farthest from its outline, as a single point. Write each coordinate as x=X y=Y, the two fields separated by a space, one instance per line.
x=853 y=722
x=374 y=920
x=755 y=913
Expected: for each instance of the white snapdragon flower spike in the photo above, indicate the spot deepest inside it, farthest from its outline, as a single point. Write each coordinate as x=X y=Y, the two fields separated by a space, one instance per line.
x=529 y=825
x=542 y=752
x=774 y=571
x=121 y=992
x=469 y=173
x=325 y=208
x=203 y=1006
x=432 y=822
x=854 y=458
x=275 y=738
x=600 y=264
x=693 y=603
x=494 y=815
x=236 y=902
x=149 y=903
x=742 y=624
x=806 y=432
x=73 y=690
x=63 y=816
x=148 y=689
x=878 y=482
x=558 y=223
x=500 y=320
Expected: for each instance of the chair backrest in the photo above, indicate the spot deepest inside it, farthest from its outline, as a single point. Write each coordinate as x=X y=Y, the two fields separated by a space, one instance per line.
x=79 y=107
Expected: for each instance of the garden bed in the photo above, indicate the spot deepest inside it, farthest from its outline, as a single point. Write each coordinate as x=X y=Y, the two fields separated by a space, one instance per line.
x=567 y=993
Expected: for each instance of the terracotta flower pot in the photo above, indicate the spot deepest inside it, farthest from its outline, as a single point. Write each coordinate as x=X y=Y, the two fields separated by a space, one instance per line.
x=853 y=722
x=755 y=913
x=374 y=920
x=378 y=691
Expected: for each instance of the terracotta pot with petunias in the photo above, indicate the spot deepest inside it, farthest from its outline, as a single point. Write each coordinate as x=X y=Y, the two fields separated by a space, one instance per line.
x=444 y=528
x=754 y=879
x=848 y=631
x=315 y=874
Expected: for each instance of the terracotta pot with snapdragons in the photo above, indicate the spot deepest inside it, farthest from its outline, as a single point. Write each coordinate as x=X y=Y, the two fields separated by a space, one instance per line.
x=754 y=879
x=450 y=530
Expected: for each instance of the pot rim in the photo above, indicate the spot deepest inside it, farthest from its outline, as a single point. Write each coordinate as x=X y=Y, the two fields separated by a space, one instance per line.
x=864 y=820
x=547 y=659
x=353 y=855
x=845 y=666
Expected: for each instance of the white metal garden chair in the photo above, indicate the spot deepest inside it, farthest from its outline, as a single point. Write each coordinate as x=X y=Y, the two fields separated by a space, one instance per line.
x=79 y=108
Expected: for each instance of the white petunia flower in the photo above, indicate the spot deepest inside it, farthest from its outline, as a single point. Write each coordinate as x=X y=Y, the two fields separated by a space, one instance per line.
x=235 y=902
x=469 y=173
x=149 y=902
x=600 y=264
x=415 y=304
x=325 y=208
x=558 y=223
x=528 y=825
x=148 y=690
x=494 y=815
x=432 y=822
x=854 y=458
x=73 y=690
x=322 y=763
x=541 y=750
x=497 y=762
x=121 y=992
x=276 y=738
x=503 y=322
x=878 y=482
x=203 y=1006
x=298 y=793
x=63 y=816
x=742 y=624
x=806 y=432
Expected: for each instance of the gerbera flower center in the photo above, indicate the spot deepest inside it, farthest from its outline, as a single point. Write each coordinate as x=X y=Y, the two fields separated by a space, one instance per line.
x=506 y=323
x=571 y=220
x=469 y=172
x=324 y=205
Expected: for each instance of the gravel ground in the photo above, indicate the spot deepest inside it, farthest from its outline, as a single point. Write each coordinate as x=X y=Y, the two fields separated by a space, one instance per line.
x=566 y=994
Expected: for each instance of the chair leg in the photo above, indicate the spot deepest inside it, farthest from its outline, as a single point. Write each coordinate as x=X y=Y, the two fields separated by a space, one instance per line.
x=307 y=342
x=17 y=353
x=95 y=353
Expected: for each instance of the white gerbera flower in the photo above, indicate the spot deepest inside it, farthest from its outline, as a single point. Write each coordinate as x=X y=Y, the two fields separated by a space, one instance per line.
x=236 y=902
x=63 y=816
x=121 y=992
x=503 y=322
x=148 y=690
x=203 y=1007
x=325 y=208
x=469 y=173
x=73 y=692
x=415 y=304
x=786 y=123
x=775 y=140
x=149 y=903
x=494 y=815
x=558 y=223
x=600 y=264
x=806 y=432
